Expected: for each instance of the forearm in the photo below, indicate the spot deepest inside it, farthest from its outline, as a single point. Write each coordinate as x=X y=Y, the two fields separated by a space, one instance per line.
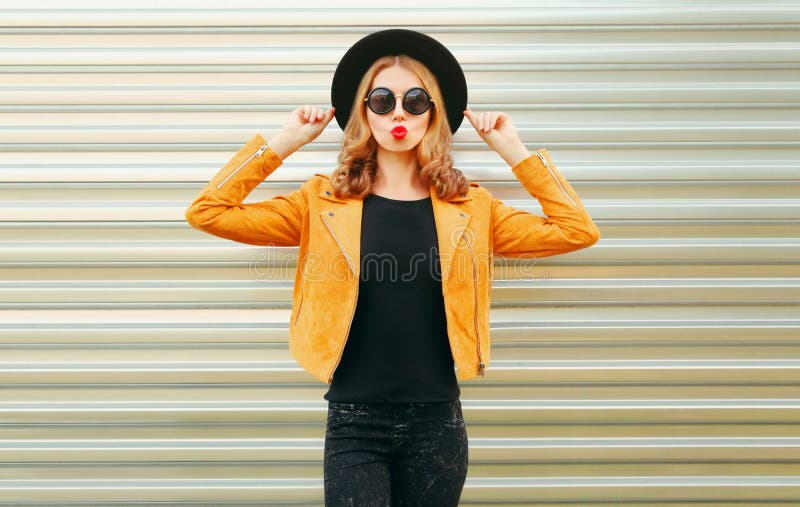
x=219 y=208
x=514 y=154
x=283 y=145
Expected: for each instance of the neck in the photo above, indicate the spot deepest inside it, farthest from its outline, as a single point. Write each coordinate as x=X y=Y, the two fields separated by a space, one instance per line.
x=397 y=172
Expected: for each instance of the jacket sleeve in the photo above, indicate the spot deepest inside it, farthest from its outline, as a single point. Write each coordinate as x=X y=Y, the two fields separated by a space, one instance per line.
x=567 y=226
x=219 y=210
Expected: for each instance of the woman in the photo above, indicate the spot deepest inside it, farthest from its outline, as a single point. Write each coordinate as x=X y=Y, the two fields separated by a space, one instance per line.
x=392 y=289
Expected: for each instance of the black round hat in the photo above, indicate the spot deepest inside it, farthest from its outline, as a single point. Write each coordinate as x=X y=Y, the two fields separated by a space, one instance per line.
x=394 y=41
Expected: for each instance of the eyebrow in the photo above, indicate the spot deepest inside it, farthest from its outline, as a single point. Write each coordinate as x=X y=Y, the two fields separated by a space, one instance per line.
x=390 y=89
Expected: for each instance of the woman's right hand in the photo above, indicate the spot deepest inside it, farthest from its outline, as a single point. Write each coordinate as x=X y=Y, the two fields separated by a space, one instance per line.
x=306 y=123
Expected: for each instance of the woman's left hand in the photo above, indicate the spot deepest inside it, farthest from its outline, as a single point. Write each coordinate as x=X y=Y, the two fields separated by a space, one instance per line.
x=498 y=131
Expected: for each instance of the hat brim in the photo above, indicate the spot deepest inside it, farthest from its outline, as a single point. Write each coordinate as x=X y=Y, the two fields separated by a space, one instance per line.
x=426 y=49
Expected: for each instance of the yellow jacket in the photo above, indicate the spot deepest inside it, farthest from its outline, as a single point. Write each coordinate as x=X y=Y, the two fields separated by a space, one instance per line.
x=471 y=229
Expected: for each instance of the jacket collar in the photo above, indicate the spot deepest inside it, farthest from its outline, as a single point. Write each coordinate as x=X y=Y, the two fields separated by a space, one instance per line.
x=343 y=220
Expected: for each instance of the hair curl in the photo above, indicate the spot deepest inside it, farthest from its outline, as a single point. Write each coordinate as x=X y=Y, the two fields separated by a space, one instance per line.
x=357 y=164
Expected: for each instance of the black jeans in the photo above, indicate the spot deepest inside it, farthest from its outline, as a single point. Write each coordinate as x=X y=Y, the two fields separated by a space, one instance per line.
x=395 y=454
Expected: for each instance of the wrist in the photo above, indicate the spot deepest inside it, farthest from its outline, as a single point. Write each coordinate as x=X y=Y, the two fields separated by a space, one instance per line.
x=515 y=154
x=283 y=145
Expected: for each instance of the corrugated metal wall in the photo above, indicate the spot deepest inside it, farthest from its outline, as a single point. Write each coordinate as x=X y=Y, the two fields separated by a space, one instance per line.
x=143 y=362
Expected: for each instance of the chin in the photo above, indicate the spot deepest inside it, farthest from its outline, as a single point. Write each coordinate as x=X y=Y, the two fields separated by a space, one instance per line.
x=391 y=144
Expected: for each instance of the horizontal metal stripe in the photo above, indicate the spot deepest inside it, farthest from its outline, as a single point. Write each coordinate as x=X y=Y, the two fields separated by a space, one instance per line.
x=282 y=444
x=635 y=371
x=474 y=406
x=624 y=228
x=508 y=451
x=642 y=192
x=752 y=66
x=218 y=251
x=208 y=484
x=224 y=470
x=513 y=392
x=227 y=245
x=641 y=353
x=178 y=429
x=481 y=410
x=278 y=97
x=623 y=417
x=631 y=53
x=530 y=14
x=654 y=135
x=444 y=32
x=25 y=361
x=167 y=168
x=277 y=294
x=565 y=488
x=306 y=390
x=467 y=143
x=654 y=210
x=287 y=271
x=283 y=285
x=314 y=443
x=554 y=319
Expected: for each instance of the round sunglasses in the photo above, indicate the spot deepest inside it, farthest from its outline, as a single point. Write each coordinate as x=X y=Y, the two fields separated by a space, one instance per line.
x=415 y=101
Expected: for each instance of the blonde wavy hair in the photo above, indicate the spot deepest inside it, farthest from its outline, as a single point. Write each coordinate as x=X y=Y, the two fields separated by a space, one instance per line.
x=357 y=165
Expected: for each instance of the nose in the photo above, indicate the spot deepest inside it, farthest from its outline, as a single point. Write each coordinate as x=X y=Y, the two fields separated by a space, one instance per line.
x=399 y=112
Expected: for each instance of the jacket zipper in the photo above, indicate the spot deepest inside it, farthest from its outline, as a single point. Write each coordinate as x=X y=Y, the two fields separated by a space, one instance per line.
x=544 y=161
x=481 y=365
x=300 y=307
x=352 y=312
x=258 y=153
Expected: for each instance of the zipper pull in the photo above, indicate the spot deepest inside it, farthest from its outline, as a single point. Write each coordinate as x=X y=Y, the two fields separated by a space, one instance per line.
x=544 y=160
x=481 y=367
x=261 y=150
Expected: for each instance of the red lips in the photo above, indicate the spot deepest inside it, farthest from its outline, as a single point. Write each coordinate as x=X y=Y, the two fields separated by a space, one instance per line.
x=399 y=132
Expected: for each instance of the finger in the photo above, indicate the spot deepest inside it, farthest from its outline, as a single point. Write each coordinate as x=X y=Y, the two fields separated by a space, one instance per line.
x=493 y=121
x=480 y=121
x=473 y=118
x=305 y=112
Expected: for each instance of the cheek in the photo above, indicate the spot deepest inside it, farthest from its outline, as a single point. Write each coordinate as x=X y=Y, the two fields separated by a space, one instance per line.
x=372 y=125
x=423 y=124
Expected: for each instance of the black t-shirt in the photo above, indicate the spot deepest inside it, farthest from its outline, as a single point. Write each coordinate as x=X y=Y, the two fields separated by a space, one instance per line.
x=397 y=350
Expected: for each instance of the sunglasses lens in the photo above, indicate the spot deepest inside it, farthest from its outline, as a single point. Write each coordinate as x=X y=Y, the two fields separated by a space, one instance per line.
x=417 y=101
x=381 y=100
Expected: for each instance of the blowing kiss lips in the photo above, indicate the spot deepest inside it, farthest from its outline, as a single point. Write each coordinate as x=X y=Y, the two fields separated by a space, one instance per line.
x=399 y=132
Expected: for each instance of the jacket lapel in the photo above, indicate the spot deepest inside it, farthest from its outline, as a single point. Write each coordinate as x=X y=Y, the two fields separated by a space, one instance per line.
x=342 y=218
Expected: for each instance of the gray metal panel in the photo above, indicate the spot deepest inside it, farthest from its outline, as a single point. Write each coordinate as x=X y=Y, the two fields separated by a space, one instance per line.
x=146 y=363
